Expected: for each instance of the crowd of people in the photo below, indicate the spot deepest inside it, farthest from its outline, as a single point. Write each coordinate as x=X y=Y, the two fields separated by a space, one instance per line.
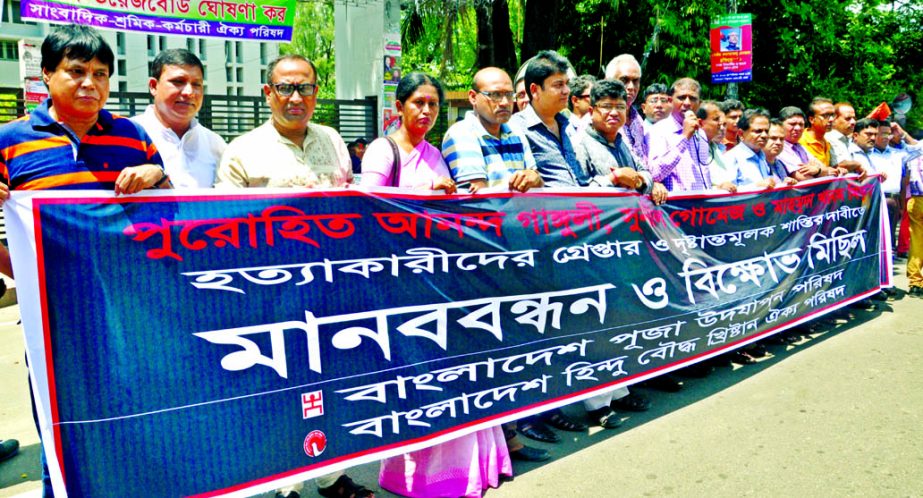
x=546 y=128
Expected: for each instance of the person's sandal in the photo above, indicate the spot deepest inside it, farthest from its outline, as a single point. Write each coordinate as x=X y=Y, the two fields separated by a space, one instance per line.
x=344 y=487
x=558 y=420
x=539 y=432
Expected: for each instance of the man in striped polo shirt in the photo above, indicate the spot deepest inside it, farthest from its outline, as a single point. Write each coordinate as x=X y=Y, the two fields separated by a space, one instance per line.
x=482 y=150
x=70 y=141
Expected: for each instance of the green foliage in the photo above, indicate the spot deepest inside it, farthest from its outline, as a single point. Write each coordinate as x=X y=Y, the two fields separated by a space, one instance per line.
x=864 y=51
x=313 y=38
x=443 y=45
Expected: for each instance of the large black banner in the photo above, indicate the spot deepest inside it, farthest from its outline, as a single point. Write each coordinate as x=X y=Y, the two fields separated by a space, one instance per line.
x=234 y=343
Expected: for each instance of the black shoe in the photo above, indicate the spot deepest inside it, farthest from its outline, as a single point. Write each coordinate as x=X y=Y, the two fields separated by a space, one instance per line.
x=915 y=291
x=344 y=486
x=698 y=371
x=558 y=420
x=8 y=449
x=530 y=454
x=666 y=383
x=634 y=402
x=742 y=358
x=538 y=431
x=605 y=417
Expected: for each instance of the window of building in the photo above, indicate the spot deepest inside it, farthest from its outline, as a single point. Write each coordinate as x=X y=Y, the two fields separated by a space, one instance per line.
x=240 y=91
x=262 y=76
x=120 y=67
x=15 y=8
x=227 y=51
x=163 y=43
x=120 y=43
x=190 y=45
x=240 y=75
x=123 y=86
x=202 y=49
x=150 y=45
x=264 y=54
x=9 y=50
x=229 y=74
x=240 y=52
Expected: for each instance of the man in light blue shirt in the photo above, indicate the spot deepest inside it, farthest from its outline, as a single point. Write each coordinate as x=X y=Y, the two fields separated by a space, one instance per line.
x=482 y=150
x=747 y=165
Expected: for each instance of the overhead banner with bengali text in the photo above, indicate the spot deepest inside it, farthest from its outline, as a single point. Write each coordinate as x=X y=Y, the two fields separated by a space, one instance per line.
x=731 y=42
x=264 y=20
x=205 y=344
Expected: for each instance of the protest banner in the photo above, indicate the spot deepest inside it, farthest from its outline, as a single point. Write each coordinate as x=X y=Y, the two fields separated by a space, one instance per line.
x=266 y=20
x=228 y=343
x=731 y=41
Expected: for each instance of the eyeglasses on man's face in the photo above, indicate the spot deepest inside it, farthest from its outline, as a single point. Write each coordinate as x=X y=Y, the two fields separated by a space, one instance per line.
x=498 y=96
x=608 y=108
x=288 y=89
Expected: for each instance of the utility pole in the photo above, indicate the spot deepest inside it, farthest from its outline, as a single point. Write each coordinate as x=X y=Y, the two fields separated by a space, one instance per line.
x=732 y=87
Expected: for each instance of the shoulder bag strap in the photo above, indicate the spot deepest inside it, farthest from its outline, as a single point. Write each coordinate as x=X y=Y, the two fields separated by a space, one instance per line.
x=396 y=167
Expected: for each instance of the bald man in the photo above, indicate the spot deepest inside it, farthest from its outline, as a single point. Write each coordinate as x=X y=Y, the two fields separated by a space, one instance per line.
x=482 y=150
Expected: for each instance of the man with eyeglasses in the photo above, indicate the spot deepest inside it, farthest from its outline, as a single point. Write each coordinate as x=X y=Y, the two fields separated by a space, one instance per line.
x=747 y=165
x=679 y=152
x=288 y=150
x=580 y=96
x=604 y=153
x=189 y=150
x=801 y=164
x=655 y=104
x=482 y=150
x=821 y=121
x=712 y=123
x=626 y=69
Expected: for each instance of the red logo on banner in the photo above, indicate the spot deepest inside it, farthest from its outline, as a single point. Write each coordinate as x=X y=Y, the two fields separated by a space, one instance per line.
x=315 y=443
x=312 y=404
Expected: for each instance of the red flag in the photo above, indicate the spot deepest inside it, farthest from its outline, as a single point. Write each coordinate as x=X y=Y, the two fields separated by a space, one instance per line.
x=880 y=112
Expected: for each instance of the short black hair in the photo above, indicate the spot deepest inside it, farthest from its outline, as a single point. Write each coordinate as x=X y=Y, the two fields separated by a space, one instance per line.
x=543 y=65
x=790 y=111
x=884 y=123
x=702 y=113
x=655 y=89
x=866 y=123
x=410 y=82
x=75 y=42
x=580 y=83
x=731 y=105
x=685 y=83
x=288 y=57
x=608 y=89
x=174 y=57
x=818 y=100
x=749 y=115
x=359 y=141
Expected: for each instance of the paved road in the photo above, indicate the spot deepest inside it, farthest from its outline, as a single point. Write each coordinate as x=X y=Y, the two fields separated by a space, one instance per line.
x=839 y=414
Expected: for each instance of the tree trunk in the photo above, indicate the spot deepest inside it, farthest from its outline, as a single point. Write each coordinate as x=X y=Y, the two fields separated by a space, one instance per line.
x=495 y=38
x=539 y=27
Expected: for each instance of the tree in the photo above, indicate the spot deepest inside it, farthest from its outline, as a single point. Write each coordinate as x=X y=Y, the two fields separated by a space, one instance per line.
x=495 y=38
x=313 y=37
